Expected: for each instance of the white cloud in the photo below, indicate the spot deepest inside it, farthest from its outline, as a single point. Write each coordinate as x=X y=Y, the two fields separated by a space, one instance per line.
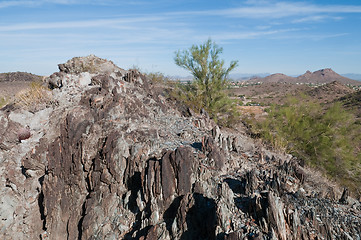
x=249 y=35
x=119 y=23
x=250 y=9
x=311 y=36
x=275 y=10
x=316 y=18
x=5 y=4
x=33 y=3
x=285 y=9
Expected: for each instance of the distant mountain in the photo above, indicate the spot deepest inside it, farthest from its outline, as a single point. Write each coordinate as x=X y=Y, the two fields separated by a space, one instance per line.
x=353 y=76
x=318 y=77
x=18 y=76
x=274 y=78
x=326 y=75
x=246 y=76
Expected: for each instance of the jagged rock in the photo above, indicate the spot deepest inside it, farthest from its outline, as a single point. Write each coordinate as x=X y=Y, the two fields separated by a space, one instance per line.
x=112 y=158
x=344 y=197
x=276 y=216
x=215 y=157
x=55 y=80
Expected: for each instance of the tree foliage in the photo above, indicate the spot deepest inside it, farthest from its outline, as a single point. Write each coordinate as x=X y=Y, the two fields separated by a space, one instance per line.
x=210 y=79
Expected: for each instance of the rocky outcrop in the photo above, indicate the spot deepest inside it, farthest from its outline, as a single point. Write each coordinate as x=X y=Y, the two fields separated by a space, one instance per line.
x=111 y=158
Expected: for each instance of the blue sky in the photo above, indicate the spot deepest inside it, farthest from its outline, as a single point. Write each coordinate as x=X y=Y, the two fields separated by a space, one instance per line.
x=264 y=36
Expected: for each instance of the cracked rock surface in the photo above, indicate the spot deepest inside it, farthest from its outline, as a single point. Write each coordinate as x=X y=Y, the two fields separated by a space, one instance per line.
x=112 y=158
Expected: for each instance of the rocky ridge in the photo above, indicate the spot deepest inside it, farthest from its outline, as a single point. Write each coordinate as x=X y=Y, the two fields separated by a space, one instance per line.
x=19 y=76
x=112 y=158
x=330 y=91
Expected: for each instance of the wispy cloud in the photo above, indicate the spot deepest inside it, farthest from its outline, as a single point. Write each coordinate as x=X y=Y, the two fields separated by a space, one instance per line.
x=5 y=4
x=285 y=9
x=30 y=3
x=275 y=10
x=168 y=25
x=316 y=18
x=311 y=36
x=249 y=34
x=33 y=3
x=117 y=22
x=249 y=9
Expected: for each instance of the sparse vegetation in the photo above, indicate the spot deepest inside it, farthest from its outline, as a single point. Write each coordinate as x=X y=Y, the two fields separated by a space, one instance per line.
x=325 y=138
x=207 y=90
x=157 y=77
x=3 y=101
x=34 y=95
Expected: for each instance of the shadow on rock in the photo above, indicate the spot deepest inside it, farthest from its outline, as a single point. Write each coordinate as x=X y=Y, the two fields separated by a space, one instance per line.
x=201 y=219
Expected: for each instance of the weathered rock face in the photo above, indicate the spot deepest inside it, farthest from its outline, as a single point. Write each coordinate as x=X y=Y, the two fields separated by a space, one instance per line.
x=112 y=158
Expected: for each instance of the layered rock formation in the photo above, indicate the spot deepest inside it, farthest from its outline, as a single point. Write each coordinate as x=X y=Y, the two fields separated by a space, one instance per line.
x=112 y=158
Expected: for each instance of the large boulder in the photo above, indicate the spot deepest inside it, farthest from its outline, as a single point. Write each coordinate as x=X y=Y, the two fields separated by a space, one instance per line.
x=90 y=64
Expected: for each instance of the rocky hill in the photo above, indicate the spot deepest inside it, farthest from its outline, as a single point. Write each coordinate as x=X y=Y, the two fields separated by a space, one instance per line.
x=273 y=78
x=110 y=157
x=14 y=82
x=330 y=91
x=353 y=101
x=318 y=77
x=19 y=76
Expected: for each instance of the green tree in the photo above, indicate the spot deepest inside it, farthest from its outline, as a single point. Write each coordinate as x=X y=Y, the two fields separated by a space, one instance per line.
x=210 y=78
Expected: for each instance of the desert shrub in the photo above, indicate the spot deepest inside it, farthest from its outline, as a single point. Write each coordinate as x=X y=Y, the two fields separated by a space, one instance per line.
x=158 y=78
x=326 y=138
x=207 y=90
x=34 y=95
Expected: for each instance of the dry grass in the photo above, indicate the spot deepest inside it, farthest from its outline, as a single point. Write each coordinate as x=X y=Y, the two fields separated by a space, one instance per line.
x=3 y=101
x=33 y=96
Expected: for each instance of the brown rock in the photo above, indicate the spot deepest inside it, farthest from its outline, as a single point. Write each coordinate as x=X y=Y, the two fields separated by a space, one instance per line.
x=344 y=196
x=24 y=133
